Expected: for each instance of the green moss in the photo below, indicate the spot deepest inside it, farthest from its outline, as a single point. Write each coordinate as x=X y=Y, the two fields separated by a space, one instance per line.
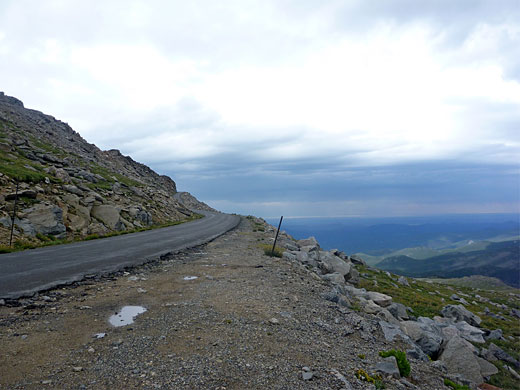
x=402 y=362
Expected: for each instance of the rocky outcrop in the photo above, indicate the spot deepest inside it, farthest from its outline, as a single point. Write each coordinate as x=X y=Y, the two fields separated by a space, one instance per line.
x=70 y=188
x=444 y=340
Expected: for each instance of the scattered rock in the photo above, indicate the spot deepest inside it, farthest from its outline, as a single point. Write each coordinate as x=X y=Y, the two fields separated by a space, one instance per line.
x=460 y=313
x=388 y=367
x=402 y=280
x=458 y=355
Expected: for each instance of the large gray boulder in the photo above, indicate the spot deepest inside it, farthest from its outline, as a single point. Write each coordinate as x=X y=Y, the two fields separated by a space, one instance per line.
x=470 y=333
x=331 y=263
x=459 y=357
x=427 y=336
x=486 y=368
x=399 y=311
x=460 y=313
x=109 y=215
x=382 y=300
x=304 y=258
x=388 y=367
x=46 y=219
x=311 y=241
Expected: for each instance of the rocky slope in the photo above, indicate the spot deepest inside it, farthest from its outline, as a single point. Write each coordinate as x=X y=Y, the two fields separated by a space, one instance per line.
x=70 y=188
x=436 y=327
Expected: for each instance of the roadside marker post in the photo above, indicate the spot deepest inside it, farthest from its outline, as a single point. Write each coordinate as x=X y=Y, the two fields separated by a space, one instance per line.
x=14 y=213
x=277 y=232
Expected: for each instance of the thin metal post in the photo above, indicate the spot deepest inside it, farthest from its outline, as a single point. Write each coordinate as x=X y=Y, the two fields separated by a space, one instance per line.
x=276 y=238
x=14 y=213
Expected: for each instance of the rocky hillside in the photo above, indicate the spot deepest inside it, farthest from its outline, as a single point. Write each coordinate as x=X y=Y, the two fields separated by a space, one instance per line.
x=70 y=188
x=472 y=336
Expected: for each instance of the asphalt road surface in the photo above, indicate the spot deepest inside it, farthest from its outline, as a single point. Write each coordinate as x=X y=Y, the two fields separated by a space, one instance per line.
x=24 y=273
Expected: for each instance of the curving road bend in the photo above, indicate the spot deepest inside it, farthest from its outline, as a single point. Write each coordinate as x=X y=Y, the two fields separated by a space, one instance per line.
x=24 y=273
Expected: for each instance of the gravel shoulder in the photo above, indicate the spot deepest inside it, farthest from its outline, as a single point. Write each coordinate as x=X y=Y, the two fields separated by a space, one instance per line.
x=247 y=321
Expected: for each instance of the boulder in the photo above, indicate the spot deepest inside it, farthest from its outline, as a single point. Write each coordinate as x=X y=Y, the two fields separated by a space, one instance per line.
x=304 y=258
x=76 y=223
x=353 y=276
x=289 y=256
x=330 y=264
x=426 y=336
x=399 y=311
x=486 y=368
x=459 y=359
x=289 y=245
x=356 y=259
x=391 y=331
x=493 y=334
x=311 y=241
x=46 y=219
x=379 y=298
x=470 y=333
x=403 y=281
x=72 y=189
x=62 y=175
x=109 y=215
x=334 y=277
x=460 y=313
x=500 y=354
x=388 y=367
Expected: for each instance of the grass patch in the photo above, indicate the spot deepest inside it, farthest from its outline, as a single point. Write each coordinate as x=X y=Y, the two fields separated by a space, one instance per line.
x=376 y=380
x=455 y=386
x=402 y=362
x=268 y=250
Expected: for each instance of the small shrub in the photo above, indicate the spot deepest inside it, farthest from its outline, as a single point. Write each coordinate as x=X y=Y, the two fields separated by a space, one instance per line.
x=455 y=386
x=402 y=362
x=268 y=250
x=361 y=356
x=376 y=379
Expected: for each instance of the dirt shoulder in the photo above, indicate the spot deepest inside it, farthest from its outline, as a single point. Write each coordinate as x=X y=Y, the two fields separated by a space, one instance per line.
x=247 y=321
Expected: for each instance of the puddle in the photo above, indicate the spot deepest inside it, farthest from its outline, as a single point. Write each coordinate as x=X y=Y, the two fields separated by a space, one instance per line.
x=126 y=315
x=190 y=277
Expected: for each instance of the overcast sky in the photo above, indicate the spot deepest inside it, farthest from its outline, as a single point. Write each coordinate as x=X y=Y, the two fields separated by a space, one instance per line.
x=300 y=108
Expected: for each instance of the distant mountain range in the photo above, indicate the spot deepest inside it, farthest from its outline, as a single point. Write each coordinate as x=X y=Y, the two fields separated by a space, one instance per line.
x=434 y=246
x=496 y=259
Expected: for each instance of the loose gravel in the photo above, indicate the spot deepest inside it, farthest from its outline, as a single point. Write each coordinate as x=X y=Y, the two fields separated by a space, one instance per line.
x=247 y=321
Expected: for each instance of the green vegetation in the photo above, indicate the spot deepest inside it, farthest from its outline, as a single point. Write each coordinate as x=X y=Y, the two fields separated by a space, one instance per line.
x=268 y=250
x=454 y=385
x=427 y=299
x=257 y=226
x=21 y=168
x=376 y=379
x=402 y=362
x=111 y=177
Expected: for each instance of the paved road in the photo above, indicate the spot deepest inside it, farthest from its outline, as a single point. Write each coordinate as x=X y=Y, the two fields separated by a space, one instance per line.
x=23 y=273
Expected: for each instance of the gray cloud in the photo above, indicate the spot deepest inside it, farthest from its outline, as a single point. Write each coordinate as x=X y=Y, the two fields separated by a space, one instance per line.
x=334 y=118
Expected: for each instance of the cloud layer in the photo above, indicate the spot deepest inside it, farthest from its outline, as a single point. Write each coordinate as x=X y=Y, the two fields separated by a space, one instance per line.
x=352 y=107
